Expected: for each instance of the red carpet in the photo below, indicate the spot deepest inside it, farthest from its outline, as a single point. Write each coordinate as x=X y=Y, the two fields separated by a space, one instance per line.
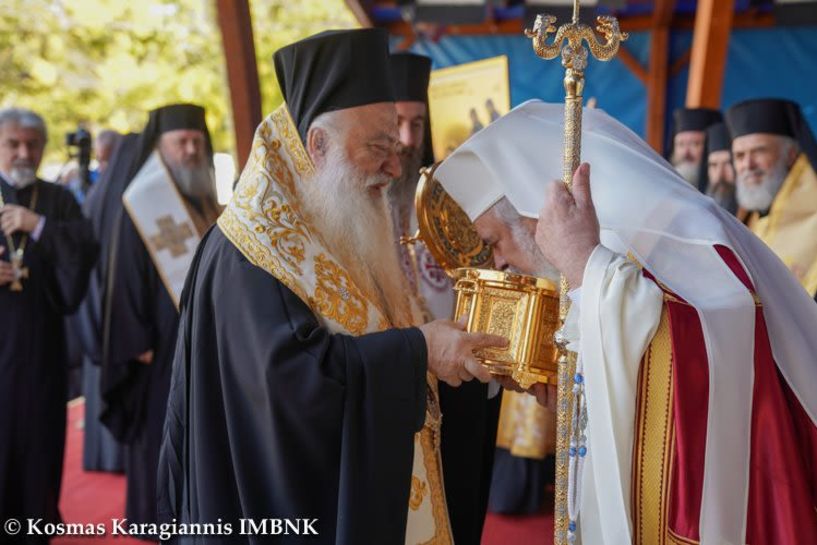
x=93 y=498
x=531 y=530
x=527 y=530
x=89 y=497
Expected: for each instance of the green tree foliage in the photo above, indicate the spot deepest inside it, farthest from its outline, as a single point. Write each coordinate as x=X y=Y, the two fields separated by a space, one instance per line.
x=105 y=63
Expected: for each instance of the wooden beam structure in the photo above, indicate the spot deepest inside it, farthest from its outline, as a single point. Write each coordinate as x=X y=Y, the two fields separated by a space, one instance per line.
x=639 y=23
x=628 y=60
x=706 y=58
x=749 y=19
x=710 y=42
x=658 y=73
x=680 y=63
x=235 y=21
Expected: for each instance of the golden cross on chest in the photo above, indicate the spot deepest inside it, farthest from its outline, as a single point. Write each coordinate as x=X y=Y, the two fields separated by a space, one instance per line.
x=172 y=236
x=20 y=272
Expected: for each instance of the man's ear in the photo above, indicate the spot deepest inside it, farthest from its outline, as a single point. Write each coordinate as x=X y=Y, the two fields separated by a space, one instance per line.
x=317 y=145
x=794 y=153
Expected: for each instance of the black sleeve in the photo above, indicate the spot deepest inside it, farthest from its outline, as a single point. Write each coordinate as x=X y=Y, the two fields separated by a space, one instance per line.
x=68 y=246
x=263 y=393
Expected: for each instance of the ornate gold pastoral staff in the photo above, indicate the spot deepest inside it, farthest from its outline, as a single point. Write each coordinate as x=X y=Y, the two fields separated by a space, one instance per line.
x=574 y=60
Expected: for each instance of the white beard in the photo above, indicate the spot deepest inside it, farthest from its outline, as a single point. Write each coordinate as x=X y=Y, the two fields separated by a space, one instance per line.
x=527 y=243
x=759 y=197
x=193 y=182
x=23 y=176
x=357 y=228
x=689 y=171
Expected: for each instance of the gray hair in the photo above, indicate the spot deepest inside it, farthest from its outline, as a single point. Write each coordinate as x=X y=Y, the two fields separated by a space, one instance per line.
x=23 y=118
x=328 y=121
x=504 y=211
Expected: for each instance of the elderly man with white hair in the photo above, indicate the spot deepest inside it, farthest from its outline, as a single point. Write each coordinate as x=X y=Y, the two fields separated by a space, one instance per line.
x=696 y=345
x=303 y=387
x=47 y=250
x=775 y=154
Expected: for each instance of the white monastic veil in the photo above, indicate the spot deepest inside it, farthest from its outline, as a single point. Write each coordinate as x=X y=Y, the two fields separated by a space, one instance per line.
x=646 y=208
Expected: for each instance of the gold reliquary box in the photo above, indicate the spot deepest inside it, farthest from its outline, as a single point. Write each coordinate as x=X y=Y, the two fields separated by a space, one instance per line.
x=523 y=309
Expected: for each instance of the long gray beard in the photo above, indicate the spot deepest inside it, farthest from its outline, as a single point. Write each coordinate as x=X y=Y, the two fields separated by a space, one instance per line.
x=23 y=176
x=759 y=197
x=401 y=191
x=723 y=193
x=358 y=230
x=689 y=171
x=194 y=182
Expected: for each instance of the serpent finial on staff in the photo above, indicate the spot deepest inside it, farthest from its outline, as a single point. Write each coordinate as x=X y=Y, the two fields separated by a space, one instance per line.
x=575 y=33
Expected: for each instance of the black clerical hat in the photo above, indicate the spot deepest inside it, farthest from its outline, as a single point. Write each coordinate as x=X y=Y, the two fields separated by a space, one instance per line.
x=333 y=70
x=765 y=115
x=164 y=119
x=409 y=76
x=717 y=138
x=772 y=116
x=695 y=119
x=178 y=116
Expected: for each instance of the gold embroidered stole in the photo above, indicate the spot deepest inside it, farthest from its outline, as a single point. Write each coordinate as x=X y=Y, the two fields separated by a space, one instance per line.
x=162 y=218
x=263 y=221
x=653 y=451
x=791 y=223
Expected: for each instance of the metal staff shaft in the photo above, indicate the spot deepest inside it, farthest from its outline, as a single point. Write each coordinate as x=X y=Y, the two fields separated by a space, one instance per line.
x=574 y=60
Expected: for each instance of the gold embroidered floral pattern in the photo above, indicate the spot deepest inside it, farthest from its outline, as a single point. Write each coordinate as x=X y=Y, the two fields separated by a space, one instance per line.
x=286 y=230
x=337 y=298
x=295 y=149
x=418 y=492
x=434 y=474
x=255 y=252
x=276 y=166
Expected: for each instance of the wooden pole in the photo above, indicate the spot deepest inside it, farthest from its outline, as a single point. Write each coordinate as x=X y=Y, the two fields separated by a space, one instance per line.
x=658 y=73
x=235 y=21
x=710 y=43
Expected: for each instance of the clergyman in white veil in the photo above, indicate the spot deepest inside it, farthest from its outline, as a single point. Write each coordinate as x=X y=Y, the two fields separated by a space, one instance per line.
x=697 y=347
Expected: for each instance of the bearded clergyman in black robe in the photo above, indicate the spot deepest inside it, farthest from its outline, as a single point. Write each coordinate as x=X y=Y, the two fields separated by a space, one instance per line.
x=302 y=386
x=168 y=205
x=47 y=250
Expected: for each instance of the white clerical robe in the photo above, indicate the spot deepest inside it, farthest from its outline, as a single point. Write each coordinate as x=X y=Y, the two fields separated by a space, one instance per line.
x=649 y=392
x=617 y=315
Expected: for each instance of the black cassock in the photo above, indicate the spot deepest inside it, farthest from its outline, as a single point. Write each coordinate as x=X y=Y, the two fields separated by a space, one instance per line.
x=101 y=451
x=33 y=370
x=142 y=318
x=468 y=442
x=271 y=415
x=519 y=485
